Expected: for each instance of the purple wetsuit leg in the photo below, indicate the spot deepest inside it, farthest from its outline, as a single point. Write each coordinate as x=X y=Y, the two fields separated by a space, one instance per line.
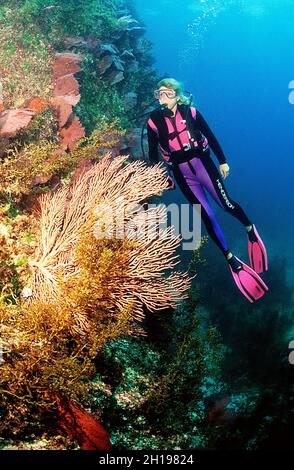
x=193 y=190
x=210 y=178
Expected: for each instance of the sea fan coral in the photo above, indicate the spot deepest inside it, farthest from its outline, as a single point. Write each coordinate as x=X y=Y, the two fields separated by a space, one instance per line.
x=103 y=205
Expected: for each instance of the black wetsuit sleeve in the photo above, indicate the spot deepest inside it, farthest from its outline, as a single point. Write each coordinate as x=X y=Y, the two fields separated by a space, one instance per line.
x=152 y=145
x=212 y=140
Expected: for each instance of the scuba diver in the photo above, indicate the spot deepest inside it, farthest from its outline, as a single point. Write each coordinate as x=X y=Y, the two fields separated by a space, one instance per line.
x=184 y=138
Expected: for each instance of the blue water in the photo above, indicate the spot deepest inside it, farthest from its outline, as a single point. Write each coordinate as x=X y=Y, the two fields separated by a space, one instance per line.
x=237 y=58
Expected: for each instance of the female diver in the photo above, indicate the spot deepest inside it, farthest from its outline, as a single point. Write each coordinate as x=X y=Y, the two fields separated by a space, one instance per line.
x=185 y=139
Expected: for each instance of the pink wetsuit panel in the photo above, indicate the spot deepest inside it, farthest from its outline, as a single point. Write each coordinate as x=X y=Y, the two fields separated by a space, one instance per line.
x=180 y=124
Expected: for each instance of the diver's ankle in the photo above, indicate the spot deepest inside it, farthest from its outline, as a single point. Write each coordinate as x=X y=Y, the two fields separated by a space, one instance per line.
x=229 y=255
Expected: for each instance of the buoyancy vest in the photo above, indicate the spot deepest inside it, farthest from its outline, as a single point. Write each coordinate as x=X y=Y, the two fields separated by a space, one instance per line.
x=197 y=143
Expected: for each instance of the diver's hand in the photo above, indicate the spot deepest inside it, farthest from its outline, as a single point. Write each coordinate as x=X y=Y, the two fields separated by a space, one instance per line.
x=225 y=170
x=171 y=183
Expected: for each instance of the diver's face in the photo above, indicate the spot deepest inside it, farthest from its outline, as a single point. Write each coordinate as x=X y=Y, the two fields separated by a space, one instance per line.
x=168 y=97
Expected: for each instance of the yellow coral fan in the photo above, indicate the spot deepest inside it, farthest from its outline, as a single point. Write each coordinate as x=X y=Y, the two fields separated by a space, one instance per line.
x=128 y=270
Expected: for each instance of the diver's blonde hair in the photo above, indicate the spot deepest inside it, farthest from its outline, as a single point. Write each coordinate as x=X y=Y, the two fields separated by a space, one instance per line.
x=177 y=86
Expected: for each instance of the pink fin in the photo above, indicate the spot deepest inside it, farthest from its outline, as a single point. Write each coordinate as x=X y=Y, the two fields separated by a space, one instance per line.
x=257 y=254
x=249 y=282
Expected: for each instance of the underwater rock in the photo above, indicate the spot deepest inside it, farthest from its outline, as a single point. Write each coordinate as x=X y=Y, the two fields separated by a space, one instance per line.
x=127 y=55
x=67 y=86
x=64 y=110
x=70 y=99
x=12 y=120
x=130 y=100
x=93 y=43
x=66 y=89
x=105 y=63
x=133 y=67
x=82 y=426
x=110 y=48
x=110 y=65
x=115 y=76
x=72 y=133
x=90 y=43
x=65 y=96
x=118 y=63
x=66 y=63
x=75 y=41
x=132 y=143
x=109 y=60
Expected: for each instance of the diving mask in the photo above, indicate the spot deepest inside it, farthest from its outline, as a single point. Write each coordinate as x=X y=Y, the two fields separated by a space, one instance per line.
x=170 y=93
